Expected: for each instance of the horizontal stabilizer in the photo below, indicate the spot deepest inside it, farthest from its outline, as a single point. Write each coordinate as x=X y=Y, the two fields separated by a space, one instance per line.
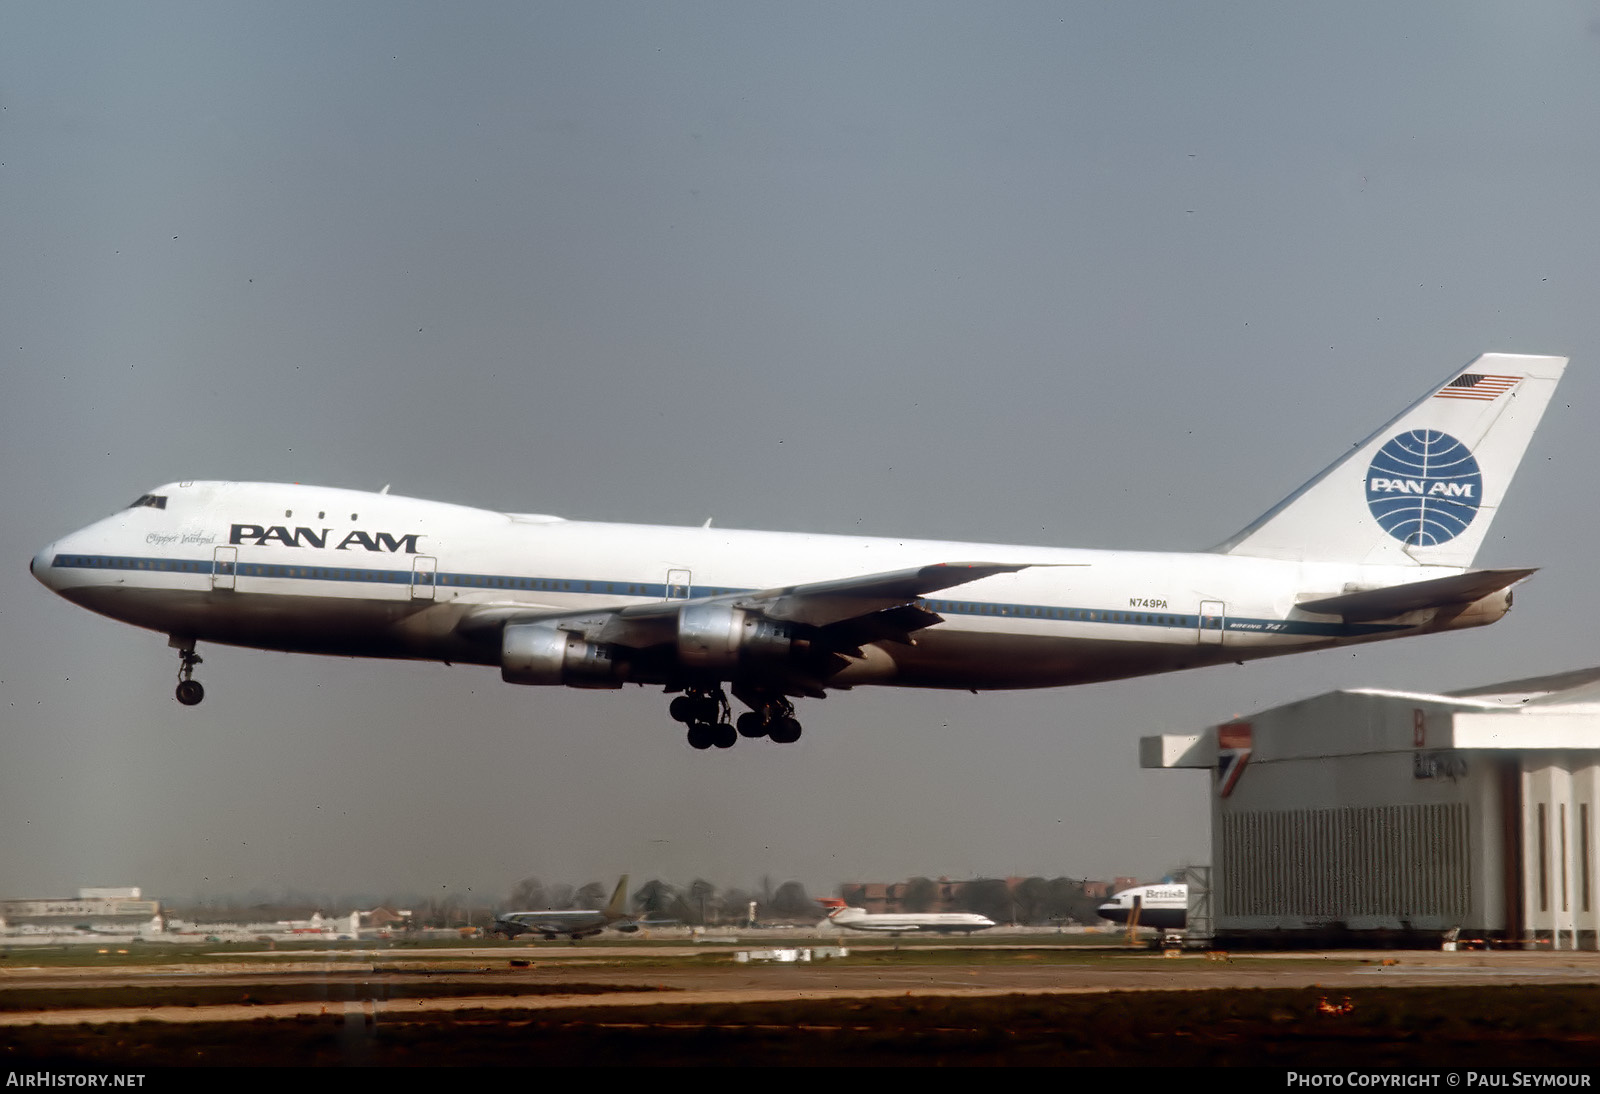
x=1395 y=600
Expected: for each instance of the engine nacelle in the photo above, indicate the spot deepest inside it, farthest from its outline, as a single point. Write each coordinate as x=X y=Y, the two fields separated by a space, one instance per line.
x=717 y=638
x=533 y=653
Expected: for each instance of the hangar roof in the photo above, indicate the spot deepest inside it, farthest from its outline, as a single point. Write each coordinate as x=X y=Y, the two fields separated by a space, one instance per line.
x=1556 y=712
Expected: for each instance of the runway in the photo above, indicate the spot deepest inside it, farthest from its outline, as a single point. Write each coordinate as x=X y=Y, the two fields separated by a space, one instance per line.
x=383 y=983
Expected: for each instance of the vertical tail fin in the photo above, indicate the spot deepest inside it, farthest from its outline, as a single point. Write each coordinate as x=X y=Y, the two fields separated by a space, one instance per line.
x=619 y=900
x=1423 y=489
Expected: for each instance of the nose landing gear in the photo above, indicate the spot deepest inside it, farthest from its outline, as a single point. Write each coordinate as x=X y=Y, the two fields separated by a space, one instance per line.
x=189 y=691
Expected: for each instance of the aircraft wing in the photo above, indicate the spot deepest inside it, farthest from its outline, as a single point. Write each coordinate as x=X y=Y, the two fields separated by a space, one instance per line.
x=1393 y=600
x=868 y=608
x=823 y=602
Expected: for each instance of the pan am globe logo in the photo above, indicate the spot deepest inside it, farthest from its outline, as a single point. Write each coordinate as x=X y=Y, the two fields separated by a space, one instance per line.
x=1424 y=487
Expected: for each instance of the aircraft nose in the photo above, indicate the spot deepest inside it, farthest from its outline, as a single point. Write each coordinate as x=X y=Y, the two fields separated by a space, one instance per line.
x=42 y=565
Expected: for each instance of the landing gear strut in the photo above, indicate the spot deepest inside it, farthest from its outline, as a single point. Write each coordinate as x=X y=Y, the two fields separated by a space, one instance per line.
x=707 y=714
x=189 y=691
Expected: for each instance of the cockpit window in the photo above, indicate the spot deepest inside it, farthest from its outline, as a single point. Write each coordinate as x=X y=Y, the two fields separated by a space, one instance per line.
x=150 y=501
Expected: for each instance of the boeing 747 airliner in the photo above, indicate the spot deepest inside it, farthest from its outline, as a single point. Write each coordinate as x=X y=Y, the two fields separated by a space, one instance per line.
x=1379 y=545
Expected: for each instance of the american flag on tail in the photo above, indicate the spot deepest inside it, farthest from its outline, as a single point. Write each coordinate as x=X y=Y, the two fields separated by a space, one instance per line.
x=1477 y=385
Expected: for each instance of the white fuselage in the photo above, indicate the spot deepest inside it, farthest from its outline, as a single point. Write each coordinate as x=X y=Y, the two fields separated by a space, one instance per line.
x=1163 y=907
x=332 y=571
x=856 y=919
x=551 y=924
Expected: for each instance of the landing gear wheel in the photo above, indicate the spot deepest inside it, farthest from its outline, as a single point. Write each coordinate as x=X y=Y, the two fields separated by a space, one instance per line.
x=189 y=691
x=771 y=715
x=705 y=711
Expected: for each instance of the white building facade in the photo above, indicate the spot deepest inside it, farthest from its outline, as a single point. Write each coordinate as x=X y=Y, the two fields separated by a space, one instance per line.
x=1369 y=815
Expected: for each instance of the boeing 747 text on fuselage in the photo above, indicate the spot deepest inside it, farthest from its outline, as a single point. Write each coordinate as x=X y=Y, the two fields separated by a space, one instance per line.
x=1379 y=545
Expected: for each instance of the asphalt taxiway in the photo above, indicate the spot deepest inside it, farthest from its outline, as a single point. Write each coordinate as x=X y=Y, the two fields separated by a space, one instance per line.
x=377 y=982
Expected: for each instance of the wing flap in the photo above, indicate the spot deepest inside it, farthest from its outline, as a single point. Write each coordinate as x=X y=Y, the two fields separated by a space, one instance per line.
x=1393 y=600
x=896 y=624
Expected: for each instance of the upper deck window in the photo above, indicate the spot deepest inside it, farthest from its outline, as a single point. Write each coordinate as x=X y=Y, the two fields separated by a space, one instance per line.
x=151 y=501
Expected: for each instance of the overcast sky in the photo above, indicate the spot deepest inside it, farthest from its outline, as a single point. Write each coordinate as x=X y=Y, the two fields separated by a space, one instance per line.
x=1112 y=275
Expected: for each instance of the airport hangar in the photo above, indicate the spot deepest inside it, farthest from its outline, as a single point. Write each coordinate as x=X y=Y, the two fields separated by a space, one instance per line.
x=1388 y=817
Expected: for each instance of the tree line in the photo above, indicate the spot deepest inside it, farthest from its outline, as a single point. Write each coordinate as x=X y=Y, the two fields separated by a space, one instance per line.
x=700 y=903
x=1029 y=901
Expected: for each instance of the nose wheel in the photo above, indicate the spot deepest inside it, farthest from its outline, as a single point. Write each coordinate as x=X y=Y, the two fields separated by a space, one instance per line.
x=189 y=691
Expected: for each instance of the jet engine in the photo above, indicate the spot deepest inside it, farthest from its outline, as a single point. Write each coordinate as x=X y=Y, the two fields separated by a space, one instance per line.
x=717 y=638
x=534 y=653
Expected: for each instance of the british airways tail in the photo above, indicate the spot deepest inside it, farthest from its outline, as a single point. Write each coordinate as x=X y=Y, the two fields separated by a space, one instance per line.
x=1423 y=489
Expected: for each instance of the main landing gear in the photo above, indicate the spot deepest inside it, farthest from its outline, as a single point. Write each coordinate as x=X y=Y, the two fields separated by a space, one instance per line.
x=707 y=714
x=770 y=716
x=189 y=691
x=705 y=711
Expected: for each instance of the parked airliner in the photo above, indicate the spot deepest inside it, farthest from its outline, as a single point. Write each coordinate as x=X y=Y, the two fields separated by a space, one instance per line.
x=574 y=923
x=897 y=923
x=1379 y=545
x=1164 y=906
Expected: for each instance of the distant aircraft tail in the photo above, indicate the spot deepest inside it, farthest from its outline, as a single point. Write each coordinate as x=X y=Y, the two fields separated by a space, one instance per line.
x=1423 y=489
x=618 y=908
